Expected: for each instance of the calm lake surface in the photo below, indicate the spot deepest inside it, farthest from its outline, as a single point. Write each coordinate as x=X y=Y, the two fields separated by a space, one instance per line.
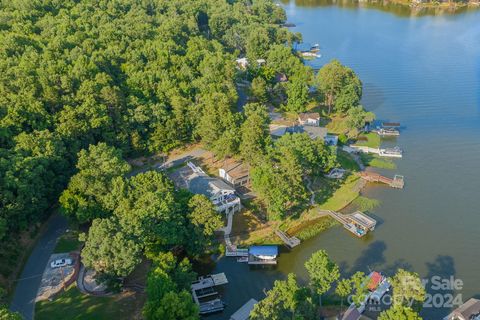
x=425 y=73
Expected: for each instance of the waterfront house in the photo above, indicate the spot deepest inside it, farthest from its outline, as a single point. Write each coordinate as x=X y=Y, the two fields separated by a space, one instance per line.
x=315 y=132
x=470 y=310
x=242 y=63
x=219 y=192
x=309 y=119
x=235 y=173
x=262 y=255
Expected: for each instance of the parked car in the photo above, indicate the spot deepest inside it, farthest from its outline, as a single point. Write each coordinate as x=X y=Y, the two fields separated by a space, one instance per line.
x=61 y=263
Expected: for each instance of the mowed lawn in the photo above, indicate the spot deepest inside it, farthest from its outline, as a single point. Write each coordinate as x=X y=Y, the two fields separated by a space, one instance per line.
x=74 y=305
x=341 y=196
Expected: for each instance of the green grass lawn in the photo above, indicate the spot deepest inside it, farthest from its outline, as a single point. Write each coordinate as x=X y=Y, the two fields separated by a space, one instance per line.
x=342 y=195
x=68 y=242
x=337 y=125
x=74 y=305
x=371 y=160
x=346 y=161
x=373 y=140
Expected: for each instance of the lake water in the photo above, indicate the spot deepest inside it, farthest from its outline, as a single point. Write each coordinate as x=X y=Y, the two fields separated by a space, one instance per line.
x=425 y=73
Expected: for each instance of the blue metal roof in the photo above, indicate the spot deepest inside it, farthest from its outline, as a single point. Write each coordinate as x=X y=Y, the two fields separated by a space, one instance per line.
x=263 y=250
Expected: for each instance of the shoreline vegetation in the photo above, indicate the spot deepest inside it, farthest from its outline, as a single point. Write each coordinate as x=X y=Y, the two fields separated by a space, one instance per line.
x=399 y=7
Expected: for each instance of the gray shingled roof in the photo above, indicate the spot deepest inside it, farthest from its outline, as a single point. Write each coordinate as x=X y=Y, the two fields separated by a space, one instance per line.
x=203 y=184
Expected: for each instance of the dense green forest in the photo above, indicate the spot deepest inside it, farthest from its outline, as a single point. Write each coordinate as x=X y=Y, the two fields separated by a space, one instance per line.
x=142 y=76
x=85 y=85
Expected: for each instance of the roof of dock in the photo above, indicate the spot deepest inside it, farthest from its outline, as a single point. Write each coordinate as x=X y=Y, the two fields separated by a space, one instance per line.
x=263 y=250
x=363 y=220
x=244 y=312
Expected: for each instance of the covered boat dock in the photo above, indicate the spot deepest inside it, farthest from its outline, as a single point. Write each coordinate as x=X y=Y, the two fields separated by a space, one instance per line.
x=204 y=288
x=262 y=255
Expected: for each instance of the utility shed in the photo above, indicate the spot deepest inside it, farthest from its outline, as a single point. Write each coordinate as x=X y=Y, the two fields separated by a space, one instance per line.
x=244 y=312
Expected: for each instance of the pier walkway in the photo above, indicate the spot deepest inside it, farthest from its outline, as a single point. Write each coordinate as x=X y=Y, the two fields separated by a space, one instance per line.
x=290 y=242
x=397 y=181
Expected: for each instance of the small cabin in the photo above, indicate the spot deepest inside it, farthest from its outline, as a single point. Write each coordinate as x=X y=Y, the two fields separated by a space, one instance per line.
x=262 y=255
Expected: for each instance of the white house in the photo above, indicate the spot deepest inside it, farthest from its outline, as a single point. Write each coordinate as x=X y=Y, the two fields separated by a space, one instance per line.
x=309 y=119
x=235 y=173
x=242 y=63
x=220 y=193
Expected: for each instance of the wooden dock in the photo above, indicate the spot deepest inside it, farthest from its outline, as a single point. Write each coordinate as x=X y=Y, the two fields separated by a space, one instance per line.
x=357 y=223
x=290 y=242
x=233 y=251
x=397 y=181
x=204 y=288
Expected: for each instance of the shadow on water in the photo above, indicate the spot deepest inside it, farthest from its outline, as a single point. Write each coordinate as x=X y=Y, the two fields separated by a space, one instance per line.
x=371 y=257
x=440 y=295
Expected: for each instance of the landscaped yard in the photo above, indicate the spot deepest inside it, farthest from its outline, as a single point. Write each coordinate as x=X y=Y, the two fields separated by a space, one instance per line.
x=371 y=140
x=371 y=160
x=346 y=161
x=74 y=305
x=331 y=196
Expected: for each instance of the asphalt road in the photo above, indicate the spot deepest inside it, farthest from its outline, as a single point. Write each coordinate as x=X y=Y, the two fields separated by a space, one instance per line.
x=27 y=285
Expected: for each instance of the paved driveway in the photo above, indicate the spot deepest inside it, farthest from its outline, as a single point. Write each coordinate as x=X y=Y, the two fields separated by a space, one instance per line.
x=31 y=277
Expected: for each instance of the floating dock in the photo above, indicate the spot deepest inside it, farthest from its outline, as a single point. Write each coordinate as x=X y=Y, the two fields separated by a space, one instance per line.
x=397 y=181
x=387 y=152
x=204 y=288
x=357 y=223
x=387 y=132
x=290 y=242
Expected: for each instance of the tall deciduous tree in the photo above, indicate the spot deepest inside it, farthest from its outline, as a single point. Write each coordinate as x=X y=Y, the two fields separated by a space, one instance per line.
x=407 y=288
x=399 y=312
x=167 y=283
x=109 y=249
x=255 y=133
x=280 y=303
x=343 y=289
x=360 y=287
x=84 y=199
x=203 y=221
x=333 y=78
x=322 y=271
